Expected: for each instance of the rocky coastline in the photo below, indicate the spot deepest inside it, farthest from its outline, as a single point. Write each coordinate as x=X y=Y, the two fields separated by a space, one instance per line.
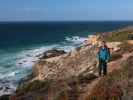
x=63 y=69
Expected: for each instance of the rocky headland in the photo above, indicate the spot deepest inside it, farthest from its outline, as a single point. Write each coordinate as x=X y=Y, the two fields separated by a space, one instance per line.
x=60 y=75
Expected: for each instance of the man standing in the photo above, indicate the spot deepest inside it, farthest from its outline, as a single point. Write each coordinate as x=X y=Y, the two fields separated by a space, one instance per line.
x=103 y=56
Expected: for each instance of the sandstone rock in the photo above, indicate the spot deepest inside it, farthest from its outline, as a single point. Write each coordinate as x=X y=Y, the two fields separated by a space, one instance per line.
x=114 y=46
x=94 y=39
x=70 y=64
x=130 y=42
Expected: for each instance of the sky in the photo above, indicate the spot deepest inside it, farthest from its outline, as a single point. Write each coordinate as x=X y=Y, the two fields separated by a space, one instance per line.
x=65 y=10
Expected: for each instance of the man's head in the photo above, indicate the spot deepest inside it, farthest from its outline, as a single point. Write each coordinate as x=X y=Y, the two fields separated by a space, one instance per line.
x=103 y=43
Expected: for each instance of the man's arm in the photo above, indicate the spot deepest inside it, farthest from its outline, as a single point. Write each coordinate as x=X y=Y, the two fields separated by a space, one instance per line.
x=108 y=55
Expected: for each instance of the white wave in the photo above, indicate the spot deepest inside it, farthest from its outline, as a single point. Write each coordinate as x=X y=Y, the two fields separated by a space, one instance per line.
x=75 y=39
x=22 y=61
x=7 y=88
x=27 y=58
x=9 y=74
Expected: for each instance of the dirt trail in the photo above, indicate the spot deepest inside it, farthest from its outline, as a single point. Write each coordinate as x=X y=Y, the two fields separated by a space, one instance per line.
x=113 y=65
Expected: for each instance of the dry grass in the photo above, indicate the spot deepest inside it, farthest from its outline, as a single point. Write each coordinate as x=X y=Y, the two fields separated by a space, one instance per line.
x=116 y=84
x=66 y=89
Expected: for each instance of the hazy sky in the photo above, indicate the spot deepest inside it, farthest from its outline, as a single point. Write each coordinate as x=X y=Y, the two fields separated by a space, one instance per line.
x=60 y=10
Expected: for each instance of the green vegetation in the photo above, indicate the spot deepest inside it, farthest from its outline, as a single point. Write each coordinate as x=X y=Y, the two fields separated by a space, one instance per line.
x=120 y=35
x=117 y=36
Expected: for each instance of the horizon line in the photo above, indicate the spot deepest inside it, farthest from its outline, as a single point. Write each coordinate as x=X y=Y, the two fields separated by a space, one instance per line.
x=72 y=21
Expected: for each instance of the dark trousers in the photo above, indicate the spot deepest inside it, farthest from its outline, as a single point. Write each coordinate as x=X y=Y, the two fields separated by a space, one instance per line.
x=102 y=67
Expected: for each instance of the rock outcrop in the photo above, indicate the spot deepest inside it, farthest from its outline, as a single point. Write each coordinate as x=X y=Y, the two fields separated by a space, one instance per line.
x=66 y=65
x=52 y=53
x=114 y=46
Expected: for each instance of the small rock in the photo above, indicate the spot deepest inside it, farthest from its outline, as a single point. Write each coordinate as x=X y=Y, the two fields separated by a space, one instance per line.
x=7 y=88
x=28 y=55
x=20 y=63
x=52 y=53
x=24 y=61
x=1 y=88
x=39 y=55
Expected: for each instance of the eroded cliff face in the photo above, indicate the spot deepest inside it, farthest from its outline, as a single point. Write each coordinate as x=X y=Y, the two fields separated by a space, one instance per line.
x=73 y=63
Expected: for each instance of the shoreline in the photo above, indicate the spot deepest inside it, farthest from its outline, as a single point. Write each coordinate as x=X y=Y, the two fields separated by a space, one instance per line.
x=72 y=53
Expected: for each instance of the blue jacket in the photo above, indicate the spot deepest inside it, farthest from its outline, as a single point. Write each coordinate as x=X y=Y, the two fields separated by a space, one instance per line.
x=103 y=54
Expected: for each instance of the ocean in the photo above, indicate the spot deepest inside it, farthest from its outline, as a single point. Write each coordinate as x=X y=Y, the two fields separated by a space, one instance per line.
x=21 y=42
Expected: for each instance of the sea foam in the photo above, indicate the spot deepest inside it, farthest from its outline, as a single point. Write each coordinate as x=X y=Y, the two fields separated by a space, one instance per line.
x=21 y=62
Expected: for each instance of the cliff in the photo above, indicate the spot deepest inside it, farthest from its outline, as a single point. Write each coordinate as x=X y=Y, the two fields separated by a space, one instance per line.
x=73 y=75
x=66 y=65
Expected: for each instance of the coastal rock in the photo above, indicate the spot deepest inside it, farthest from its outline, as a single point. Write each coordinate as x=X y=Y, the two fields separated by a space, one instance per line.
x=93 y=40
x=70 y=64
x=114 y=46
x=130 y=42
x=1 y=88
x=52 y=53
